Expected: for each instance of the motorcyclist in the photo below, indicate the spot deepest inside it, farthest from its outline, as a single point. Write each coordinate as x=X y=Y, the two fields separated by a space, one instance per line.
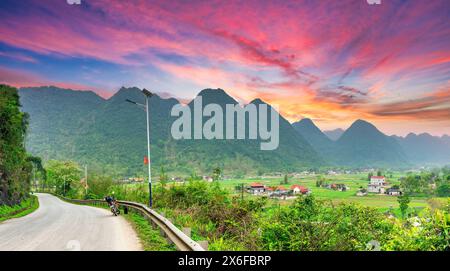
x=112 y=204
x=110 y=199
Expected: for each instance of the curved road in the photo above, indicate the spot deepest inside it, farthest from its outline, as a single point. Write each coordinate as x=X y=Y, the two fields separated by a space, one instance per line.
x=58 y=225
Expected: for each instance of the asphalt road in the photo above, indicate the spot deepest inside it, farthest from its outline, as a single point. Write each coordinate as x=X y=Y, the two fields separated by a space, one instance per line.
x=58 y=225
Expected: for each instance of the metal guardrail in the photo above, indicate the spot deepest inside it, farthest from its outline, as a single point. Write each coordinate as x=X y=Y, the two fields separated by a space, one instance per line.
x=179 y=238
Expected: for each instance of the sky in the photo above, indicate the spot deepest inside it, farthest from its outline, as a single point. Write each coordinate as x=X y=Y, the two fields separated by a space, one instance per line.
x=331 y=61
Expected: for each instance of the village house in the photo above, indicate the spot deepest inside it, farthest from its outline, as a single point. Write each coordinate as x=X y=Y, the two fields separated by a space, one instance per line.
x=298 y=189
x=361 y=192
x=177 y=179
x=256 y=188
x=393 y=191
x=377 y=185
x=280 y=191
x=207 y=178
x=338 y=187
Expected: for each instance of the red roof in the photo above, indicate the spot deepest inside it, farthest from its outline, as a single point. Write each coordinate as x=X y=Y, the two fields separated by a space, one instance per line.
x=377 y=177
x=256 y=184
x=301 y=188
x=282 y=188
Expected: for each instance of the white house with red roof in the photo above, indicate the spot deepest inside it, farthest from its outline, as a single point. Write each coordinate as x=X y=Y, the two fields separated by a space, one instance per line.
x=377 y=184
x=298 y=189
x=256 y=188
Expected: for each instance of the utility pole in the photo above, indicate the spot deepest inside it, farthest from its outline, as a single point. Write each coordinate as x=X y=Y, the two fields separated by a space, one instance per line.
x=147 y=94
x=86 y=178
x=64 y=187
x=147 y=97
x=242 y=192
x=34 y=179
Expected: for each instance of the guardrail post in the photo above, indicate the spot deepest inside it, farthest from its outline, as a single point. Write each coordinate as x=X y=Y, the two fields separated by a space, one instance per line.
x=187 y=231
x=203 y=244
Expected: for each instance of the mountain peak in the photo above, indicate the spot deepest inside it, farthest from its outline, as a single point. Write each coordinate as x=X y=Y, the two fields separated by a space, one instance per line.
x=257 y=101
x=362 y=124
x=307 y=124
x=218 y=96
x=307 y=121
x=212 y=91
x=132 y=93
x=361 y=128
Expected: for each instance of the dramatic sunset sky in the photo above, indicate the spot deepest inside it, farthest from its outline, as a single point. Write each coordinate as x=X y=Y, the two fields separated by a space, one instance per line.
x=331 y=60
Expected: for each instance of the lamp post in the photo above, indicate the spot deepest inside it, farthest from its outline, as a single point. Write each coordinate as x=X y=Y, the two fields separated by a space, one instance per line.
x=147 y=95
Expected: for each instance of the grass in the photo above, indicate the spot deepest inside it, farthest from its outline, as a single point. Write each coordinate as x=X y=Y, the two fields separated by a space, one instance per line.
x=151 y=238
x=24 y=208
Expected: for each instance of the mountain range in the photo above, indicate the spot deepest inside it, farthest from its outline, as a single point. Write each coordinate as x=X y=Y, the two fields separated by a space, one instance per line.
x=361 y=145
x=110 y=135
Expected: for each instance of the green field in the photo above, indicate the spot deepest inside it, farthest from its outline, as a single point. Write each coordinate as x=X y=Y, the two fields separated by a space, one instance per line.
x=352 y=181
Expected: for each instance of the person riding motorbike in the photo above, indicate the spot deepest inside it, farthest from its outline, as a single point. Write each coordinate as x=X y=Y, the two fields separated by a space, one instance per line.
x=112 y=203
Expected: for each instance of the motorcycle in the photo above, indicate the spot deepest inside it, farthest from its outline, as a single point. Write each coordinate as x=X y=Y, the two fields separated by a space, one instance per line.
x=114 y=208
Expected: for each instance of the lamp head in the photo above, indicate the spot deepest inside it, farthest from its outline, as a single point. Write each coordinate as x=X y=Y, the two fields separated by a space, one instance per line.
x=147 y=93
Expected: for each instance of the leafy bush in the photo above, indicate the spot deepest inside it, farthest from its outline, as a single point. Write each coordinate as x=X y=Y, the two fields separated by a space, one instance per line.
x=311 y=224
x=428 y=232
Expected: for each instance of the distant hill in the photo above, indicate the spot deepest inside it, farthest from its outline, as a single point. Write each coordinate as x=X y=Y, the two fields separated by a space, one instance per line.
x=334 y=134
x=363 y=145
x=425 y=148
x=446 y=139
x=110 y=135
x=56 y=118
x=320 y=142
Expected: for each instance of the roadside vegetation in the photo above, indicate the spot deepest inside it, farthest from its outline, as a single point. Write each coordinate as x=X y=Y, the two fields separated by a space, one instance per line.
x=150 y=237
x=26 y=207
x=231 y=223
x=16 y=166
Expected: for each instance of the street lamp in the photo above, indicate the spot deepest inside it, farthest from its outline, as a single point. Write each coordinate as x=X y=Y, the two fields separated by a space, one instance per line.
x=147 y=95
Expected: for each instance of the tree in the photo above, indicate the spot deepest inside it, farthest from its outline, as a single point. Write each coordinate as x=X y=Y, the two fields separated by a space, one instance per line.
x=403 y=202
x=15 y=168
x=320 y=181
x=285 y=179
x=369 y=176
x=99 y=186
x=61 y=175
x=38 y=169
x=443 y=190
x=163 y=178
x=413 y=184
x=216 y=174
